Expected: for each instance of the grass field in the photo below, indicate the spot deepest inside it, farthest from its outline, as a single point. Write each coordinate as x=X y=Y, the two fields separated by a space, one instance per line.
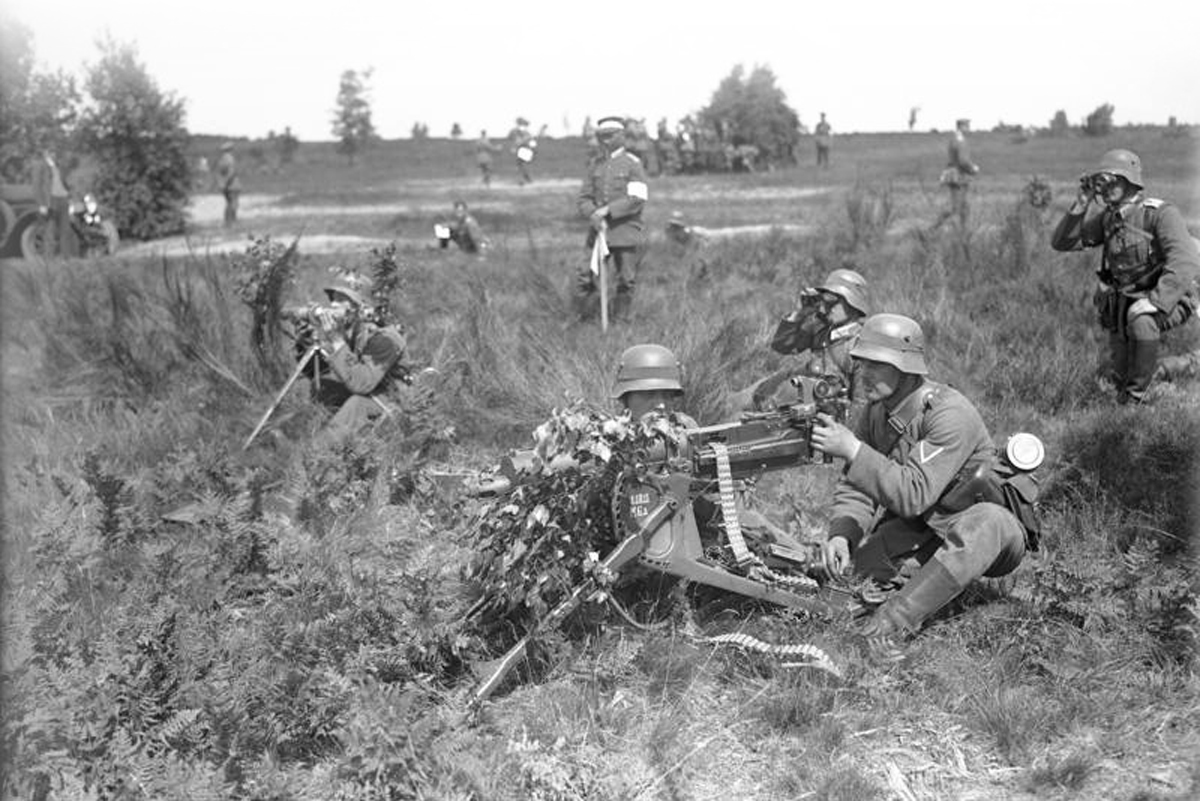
x=183 y=619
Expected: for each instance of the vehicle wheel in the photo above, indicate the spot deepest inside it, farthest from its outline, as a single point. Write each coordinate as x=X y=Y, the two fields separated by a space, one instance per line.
x=8 y=222
x=32 y=237
x=112 y=238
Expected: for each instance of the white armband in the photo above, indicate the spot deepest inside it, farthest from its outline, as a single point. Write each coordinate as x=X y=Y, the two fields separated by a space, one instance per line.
x=638 y=189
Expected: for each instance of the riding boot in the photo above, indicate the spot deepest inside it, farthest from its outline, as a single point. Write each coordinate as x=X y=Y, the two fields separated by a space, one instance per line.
x=924 y=594
x=1142 y=364
x=621 y=304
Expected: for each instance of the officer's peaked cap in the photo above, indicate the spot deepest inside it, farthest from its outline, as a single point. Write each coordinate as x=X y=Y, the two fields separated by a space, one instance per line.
x=610 y=124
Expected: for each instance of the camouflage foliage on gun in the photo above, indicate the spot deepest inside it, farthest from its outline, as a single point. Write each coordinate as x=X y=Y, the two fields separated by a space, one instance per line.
x=633 y=499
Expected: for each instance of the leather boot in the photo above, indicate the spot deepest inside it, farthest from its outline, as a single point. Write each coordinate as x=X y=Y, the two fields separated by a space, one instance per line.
x=1142 y=364
x=621 y=304
x=925 y=593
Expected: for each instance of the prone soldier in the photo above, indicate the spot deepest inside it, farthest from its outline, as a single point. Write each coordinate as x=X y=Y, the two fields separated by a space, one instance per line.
x=1149 y=266
x=463 y=230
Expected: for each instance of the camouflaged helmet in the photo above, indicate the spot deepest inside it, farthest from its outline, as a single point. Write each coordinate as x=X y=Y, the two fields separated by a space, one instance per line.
x=892 y=339
x=1124 y=163
x=348 y=292
x=850 y=286
x=648 y=367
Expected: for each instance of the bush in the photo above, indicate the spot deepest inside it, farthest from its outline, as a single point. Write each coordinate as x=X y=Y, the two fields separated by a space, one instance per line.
x=754 y=111
x=137 y=135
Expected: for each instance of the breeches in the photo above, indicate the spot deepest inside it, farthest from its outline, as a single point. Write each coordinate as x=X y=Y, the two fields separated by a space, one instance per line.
x=623 y=265
x=982 y=540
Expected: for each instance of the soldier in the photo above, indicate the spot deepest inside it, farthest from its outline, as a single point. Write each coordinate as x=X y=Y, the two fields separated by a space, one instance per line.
x=822 y=138
x=483 y=156
x=818 y=333
x=360 y=361
x=53 y=202
x=957 y=175
x=227 y=179
x=896 y=511
x=1149 y=266
x=524 y=148
x=612 y=197
x=650 y=379
x=464 y=231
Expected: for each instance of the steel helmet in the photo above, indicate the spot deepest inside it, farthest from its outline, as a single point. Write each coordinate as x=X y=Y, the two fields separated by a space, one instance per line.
x=850 y=286
x=893 y=339
x=1124 y=163
x=648 y=367
x=346 y=291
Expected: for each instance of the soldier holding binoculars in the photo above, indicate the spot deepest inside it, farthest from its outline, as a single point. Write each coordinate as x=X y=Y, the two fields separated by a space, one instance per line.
x=1149 y=266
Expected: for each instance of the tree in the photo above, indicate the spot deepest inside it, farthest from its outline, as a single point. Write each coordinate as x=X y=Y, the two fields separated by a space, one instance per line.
x=352 y=118
x=455 y=131
x=754 y=111
x=137 y=135
x=1100 y=121
x=1059 y=125
x=36 y=109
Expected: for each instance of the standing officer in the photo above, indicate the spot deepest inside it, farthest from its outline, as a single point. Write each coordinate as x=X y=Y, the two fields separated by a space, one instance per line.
x=227 y=179
x=53 y=202
x=1149 y=265
x=819 y=333
x=612 y=197
x=907 y=456
x=822 y=132
x=957 y=175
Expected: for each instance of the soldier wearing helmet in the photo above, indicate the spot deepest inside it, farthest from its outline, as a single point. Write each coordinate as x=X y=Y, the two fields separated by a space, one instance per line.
x=649 y=378
x=524 y=149
x=359 y=360
x=816 y=337
x=612 y=198
x=895 y=513
x=1149 y=265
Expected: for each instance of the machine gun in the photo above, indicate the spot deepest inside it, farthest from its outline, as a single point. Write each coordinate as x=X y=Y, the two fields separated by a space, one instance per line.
x=654 y=519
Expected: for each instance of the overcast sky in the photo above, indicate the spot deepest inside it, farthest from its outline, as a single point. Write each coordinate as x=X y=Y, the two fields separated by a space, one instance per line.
x=249 y=66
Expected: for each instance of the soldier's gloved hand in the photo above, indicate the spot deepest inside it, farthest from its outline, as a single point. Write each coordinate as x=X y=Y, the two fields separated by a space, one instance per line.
x=836 y=555
x=599 y=221
x=832 y=438
x=1141 y=306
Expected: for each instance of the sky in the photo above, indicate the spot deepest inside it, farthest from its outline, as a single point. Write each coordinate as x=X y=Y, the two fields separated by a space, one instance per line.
x=246 y=67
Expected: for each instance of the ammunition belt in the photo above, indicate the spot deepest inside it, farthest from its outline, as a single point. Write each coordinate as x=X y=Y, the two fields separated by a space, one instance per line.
x=733 y=529
x=815 y=656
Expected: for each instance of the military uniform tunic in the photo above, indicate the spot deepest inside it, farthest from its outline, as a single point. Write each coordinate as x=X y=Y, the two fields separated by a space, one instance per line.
x=904 y=482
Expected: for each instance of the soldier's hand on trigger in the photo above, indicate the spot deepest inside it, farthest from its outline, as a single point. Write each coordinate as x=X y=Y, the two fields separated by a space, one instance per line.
x=832 y=438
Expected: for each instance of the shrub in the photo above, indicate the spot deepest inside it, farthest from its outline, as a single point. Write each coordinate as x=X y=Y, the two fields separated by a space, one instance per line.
x=1100 y=121
x=136 y=134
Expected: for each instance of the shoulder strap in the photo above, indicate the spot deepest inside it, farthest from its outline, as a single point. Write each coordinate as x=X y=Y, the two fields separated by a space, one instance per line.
x=901 y=419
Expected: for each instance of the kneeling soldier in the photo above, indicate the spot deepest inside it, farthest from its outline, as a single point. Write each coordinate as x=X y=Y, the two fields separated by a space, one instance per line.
x=915 y=443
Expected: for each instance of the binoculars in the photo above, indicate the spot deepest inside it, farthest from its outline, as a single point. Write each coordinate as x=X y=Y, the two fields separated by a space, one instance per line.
x=1098 y=183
